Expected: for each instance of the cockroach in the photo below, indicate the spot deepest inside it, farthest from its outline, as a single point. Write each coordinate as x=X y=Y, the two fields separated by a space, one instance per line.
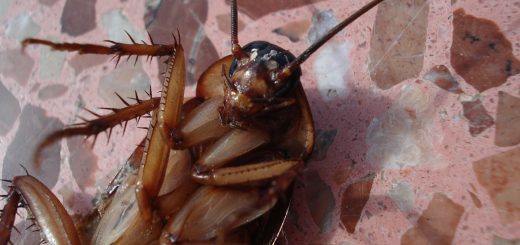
x=216 y=169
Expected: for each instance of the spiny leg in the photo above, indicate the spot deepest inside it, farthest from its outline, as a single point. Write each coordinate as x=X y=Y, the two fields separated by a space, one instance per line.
x=276 y=190
x=49 y=214
x=117 y=49
x=246 y=173
x=100 y=124
x=8 y=216
x=159 y=139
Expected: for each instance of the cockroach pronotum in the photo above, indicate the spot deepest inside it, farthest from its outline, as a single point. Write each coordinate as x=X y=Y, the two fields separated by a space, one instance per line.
x=216 y=169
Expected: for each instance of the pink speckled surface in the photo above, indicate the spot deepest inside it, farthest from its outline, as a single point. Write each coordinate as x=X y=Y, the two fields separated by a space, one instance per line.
x=394 y=162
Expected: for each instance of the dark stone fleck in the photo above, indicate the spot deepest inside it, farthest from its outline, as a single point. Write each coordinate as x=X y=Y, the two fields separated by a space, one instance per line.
x=472 y=38
x=479 y=119
x=320 y=201
x=397 y=53
x=324 y=140
x=509 y=67
x=34 y=126
x=293 y=30
x=83 y=162
x=507 y=131
x=52 y=91
x=9 y=109
x=480 y=53
x=78 y=17
x=437 y=224
x=255 y=10
x=81 y=62
x=188 y=17
x=354 y=200
x=441 y=76
x=493 y=46
x=48 y=2
x=16 y=65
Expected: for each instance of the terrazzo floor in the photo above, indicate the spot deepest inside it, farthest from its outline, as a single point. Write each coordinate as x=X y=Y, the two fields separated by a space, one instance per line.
x=416 y=106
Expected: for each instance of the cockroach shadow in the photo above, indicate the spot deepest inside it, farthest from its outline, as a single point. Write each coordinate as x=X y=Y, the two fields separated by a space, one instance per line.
x=338 y=173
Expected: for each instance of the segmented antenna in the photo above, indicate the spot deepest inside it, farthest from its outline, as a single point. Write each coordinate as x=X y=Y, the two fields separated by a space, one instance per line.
x=288 y=69
x=236 y=50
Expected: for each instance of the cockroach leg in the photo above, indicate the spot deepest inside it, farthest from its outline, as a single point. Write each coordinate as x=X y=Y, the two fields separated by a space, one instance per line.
x=8 y=216
x=172 y=96
x=233 y=144
x=164 y=121
x=49 y=214
x=202 y=124
x=245 y=174
x=117 y=49
x=268 y=198
x=98 y=125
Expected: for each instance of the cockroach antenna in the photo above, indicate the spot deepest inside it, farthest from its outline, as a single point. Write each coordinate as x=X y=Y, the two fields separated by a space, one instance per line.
x=289 y=68
x=236 y=50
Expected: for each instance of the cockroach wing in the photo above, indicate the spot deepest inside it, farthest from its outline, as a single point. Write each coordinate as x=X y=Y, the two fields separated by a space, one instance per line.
x=210 y=83
x=211 y=209
x=122 y=222
x=50 y=215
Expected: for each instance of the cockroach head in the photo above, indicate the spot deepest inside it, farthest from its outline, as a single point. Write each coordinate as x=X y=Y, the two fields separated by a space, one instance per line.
x=263 y=74
x=254 y=84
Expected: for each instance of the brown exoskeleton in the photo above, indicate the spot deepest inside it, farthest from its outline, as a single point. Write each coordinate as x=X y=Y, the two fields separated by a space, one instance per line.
x=212 y=170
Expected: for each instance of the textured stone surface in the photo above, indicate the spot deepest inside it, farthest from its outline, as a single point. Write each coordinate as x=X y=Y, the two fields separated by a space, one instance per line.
x=502 y=241
x=404 y=134
x=22 y=26
x=4 y=5
x=479 y=119
x=332 y=68
x=48 y=2
x=189 y=18
x=437 y=224
x=475 y=199
x=51 y=63
x=9 y=109
x=16 y=65
x=52 y=91
x=34 y=126
x=224 y=23
x=252 y=9
x=480 y=53
x=397 y=48
x=83 y=162
x=83 y=62
x=403 y=196
x=118 y=25
x=440 y=75
x=507 y=119
x=78 y=17
x=500 y=176
x=324 y=140
x=320 y=201
x=321 y=22
x=353 y=202
x=294 y=30
x=125 y=80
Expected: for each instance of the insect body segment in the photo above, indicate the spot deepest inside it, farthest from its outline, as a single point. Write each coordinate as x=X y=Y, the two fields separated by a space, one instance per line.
x=254 y=86
x=218 y=168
